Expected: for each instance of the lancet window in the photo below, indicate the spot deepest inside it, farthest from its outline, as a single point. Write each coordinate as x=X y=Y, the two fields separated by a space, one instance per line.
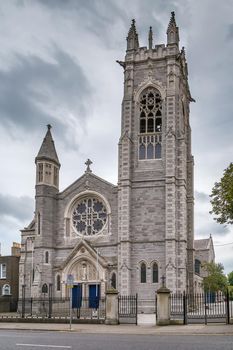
x=150 y=124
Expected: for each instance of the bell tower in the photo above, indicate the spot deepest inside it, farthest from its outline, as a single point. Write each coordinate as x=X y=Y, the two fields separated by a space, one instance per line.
x=155 y=178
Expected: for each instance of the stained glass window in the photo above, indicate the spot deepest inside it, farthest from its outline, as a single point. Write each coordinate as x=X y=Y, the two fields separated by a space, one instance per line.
x=89 y=216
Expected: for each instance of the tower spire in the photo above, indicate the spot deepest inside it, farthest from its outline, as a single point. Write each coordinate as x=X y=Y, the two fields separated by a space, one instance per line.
x=172 y=31
x=132 y=38
x=150 y=38
x=47 y=149
x=47 y=162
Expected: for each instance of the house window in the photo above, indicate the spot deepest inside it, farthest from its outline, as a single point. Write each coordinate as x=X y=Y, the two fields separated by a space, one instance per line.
x=150 y=124
x=47 y=257
x=58 y=282
x=6 y=289
x=155 y=273
x=143 y=273
x=2 y=270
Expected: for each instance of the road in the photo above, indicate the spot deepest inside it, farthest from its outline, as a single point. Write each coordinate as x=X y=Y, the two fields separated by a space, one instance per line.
x=29 y=340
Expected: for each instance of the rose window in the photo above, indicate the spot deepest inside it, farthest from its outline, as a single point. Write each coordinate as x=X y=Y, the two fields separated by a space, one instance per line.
x=89 y=216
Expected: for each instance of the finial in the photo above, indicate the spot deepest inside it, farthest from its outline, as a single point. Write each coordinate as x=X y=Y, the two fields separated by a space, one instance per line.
x=132 y=38
x=150 y=38
x=49 y=126
x=88 y=163
x=172 y=21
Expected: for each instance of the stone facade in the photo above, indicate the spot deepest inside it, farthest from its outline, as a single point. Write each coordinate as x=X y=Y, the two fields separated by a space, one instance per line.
x=204 y=253
x=126 y=236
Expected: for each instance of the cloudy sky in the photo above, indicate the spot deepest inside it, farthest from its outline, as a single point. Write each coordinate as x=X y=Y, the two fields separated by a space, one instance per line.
x=58 y=66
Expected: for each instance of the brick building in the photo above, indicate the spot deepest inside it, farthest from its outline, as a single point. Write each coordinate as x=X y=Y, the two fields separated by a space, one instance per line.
x=130 y=235
x=9 y=272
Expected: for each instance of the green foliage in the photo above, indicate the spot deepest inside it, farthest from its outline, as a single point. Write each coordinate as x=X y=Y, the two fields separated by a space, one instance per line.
x=215 y=279
x=230 y=278
x=230 y=289
x=222 y=197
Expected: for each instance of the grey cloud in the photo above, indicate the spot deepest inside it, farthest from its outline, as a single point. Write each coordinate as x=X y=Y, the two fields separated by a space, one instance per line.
x=204 y=225
x=19 y=208
x=202 y=197
x=230 y=32
x=34 y=87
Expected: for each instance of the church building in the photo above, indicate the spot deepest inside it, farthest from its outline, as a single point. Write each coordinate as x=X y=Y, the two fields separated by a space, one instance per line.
x=138 y=233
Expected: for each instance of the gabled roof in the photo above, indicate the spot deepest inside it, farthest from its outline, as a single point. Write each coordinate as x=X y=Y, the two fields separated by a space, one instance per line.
x=202 y=244
x=91 y=251
x=47 y=149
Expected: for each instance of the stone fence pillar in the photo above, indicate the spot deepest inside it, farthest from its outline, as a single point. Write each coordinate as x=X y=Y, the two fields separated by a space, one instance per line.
x=163 y=306
x=111 y=307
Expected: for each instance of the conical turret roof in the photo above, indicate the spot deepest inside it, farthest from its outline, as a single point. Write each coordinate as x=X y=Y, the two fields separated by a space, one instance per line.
x=47 y=149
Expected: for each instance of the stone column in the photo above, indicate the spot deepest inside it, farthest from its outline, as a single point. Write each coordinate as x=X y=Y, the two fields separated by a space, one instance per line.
x=111 y=307
x=163 y=306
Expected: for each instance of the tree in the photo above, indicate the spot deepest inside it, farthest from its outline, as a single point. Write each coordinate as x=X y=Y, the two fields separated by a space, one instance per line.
x=230 y=278
x=215 y=279
x=222 y=197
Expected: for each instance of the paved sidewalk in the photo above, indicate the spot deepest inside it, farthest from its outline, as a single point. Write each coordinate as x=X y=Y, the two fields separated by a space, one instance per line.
x=211 y=329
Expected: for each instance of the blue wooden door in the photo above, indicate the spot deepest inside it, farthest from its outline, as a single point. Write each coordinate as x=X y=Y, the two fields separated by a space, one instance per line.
x=77 y=296
x=94 y=296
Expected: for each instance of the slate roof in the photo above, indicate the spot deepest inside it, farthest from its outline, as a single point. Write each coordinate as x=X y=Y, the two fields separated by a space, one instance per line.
x=47 y=149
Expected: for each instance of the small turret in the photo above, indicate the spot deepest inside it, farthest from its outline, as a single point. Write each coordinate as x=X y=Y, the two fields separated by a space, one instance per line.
x=150 y=38
x=172 y=31
x=47 y=163
x=132 y=38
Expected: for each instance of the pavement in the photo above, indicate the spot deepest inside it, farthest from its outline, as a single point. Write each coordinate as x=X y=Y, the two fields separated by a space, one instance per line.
x=191 y=329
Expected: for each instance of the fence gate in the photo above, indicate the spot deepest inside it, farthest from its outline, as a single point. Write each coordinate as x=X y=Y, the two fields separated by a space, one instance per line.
x=202 y=307
x=127 y=308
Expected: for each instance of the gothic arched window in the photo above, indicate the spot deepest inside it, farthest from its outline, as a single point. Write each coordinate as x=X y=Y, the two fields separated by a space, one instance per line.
x=113 y=280
x=38 y=223
x=46 y=257
x=197 y=266
x=155 y=273
x=150 y=124
x=58 y=282
x=143 y=273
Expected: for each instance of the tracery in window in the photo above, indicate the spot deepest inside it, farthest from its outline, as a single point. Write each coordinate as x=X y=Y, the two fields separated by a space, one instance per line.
x=150 y=124
x=89 y=216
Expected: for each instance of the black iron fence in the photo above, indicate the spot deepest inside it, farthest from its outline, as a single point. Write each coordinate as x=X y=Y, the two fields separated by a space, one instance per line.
x=205 y=308
x=128 y=308
x=59 y=308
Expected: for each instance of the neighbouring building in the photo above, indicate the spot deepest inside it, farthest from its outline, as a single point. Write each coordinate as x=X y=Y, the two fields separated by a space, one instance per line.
x=204 y=252
x=128 y=235
x=9 y=272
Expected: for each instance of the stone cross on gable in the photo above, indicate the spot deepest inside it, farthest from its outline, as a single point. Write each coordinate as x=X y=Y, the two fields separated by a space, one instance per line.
x=88 y=163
